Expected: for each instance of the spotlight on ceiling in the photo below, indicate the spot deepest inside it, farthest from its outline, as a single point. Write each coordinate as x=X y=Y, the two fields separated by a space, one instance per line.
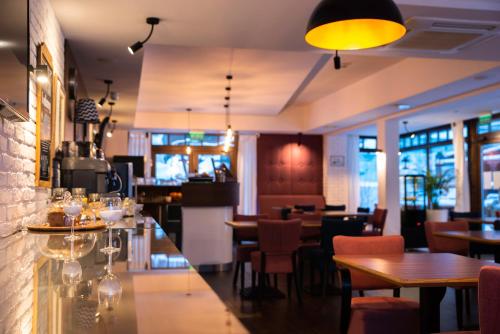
x=103 y=99
x=152 y=21
x=354 y=24
x=403 y=107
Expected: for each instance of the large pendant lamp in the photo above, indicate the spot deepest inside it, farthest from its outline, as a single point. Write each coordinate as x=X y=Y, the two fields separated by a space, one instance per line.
x=354 y=24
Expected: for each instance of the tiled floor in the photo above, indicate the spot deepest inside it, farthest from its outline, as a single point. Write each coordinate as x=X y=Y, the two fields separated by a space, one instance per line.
x=316 y=315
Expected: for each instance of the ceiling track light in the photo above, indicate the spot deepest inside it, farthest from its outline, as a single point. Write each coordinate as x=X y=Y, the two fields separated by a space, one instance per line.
x=354 y=24
x=152 y=21
x=102 y=101
x=337 y=63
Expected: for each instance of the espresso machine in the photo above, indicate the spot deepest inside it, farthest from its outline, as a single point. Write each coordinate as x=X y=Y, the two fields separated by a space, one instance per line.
x=78 y=165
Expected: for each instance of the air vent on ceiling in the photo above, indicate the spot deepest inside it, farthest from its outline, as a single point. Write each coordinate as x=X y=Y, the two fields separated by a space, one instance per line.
x=429 y=34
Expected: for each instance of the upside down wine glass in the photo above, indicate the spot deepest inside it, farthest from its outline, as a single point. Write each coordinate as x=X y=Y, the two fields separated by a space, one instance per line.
x=111 y=212
x=109 y=291
x=71 y=270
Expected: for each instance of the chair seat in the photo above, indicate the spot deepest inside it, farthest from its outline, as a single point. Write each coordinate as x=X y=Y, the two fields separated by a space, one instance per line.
x=275 y=263
x=243 y=252
x=384 y=315
x=463 y=332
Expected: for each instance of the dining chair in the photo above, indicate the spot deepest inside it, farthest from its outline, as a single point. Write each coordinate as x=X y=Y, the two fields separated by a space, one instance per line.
x=278 y=244
x=246 y=243
x=489 y=301
x=447 y=245
x=376 y=315
x=321 y=259
x=378 y=222
x=369 y=245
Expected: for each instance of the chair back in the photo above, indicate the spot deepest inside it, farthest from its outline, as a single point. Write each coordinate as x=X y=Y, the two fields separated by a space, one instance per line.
x=489 y=300
x=335 y=207
x=393 y=244
x=363 y=210
x=378 y=220
x=331 y=227
x=279 y=236
x=446 y=245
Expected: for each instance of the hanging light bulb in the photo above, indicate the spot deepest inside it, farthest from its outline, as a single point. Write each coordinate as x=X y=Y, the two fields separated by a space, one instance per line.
x=188 y=150
x=109 y=134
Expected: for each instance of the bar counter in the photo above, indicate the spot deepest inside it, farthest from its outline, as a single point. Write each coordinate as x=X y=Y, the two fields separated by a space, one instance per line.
x=161 y=292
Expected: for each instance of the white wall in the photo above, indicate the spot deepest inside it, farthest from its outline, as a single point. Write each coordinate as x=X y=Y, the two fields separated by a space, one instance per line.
x=116 y=145
x=20 y=201
x=336 y=181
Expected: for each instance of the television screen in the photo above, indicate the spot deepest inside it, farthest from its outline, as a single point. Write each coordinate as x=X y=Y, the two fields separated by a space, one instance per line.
x=14 y=56
x=137 y=162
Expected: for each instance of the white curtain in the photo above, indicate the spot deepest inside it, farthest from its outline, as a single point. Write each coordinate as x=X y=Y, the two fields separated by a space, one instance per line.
x=139 y=144
x=247 y=174
x=461 y=171
x=352 y=163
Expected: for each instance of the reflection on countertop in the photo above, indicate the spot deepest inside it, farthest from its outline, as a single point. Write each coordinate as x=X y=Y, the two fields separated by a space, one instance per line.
x=58 y=286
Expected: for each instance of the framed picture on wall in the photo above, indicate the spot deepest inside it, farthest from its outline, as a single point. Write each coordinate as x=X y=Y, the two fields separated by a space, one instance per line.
x=44 y=121
x=58 y=121
x=337 y=161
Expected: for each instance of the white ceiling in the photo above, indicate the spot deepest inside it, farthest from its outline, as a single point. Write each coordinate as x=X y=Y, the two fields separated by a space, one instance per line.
x=174 y=78
x=189 y=51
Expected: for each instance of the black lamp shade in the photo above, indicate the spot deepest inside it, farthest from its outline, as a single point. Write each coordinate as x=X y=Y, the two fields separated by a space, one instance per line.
x=354 y=24
x=86 y=111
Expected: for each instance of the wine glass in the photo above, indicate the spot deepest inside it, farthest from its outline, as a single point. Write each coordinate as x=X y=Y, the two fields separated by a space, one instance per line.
x=72 y=208
x=71 y=270
x=110 y=212
x=109 y=291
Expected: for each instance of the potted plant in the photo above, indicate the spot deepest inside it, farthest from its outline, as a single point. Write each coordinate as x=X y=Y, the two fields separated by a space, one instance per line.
x=436 y=186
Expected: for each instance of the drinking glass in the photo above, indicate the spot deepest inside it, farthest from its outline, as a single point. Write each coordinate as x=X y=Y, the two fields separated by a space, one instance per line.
x=72 y=208
x=110 y=212
x=109 y=291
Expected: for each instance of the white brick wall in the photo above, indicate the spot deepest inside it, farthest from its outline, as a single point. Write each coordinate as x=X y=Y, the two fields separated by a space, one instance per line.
x=20 y=202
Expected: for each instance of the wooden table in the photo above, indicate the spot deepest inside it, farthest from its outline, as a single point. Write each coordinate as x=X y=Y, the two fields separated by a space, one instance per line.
x=430 y=272
x=253 y=224
x=481 y=237
x=345 y=214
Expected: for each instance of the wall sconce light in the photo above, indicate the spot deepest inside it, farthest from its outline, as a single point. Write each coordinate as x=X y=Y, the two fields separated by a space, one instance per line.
x=139 y=44
x=103 y=99
x=41 y=73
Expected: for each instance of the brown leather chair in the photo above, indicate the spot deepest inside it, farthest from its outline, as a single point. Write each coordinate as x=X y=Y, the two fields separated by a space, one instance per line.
x=378 y=222
x=246 y=243
x=278 y=244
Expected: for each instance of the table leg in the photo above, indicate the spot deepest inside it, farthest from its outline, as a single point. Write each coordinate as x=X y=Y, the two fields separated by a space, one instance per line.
x=497 y=254
x=430 y=302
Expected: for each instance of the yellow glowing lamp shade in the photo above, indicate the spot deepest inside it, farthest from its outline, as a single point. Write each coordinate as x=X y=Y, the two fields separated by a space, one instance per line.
x=354 y=24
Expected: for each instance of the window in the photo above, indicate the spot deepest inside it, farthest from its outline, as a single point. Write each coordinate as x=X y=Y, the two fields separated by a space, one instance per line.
x=368 y=182
x=172 y=167
x=159 y=139
x=413 y=162
x=177 y=140
x=207 y=162
x=442 y=162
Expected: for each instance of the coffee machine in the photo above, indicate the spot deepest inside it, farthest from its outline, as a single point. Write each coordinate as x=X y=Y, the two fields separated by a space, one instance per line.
x=78 y=166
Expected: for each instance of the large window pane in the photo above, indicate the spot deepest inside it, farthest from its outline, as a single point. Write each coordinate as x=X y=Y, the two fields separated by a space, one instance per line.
x=413 y=162
x=368 y=179
x=158 y=139
x=172 y=167
x=207 y=162
x=441 y=162
x=177 y=140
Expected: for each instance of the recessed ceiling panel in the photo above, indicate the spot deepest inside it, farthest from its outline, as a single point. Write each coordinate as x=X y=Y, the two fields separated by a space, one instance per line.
x=175 y=78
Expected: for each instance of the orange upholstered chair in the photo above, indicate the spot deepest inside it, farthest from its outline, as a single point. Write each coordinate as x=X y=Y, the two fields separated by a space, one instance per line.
x=278 y=244
x=246 y=243
x=447 y=245
x=373 y=315
x=343 y=245
x=489 y=301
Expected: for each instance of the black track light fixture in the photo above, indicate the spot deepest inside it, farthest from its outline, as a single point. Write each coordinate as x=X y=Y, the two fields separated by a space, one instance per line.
x=152 y=21
x=103 y=99
x=337 y=63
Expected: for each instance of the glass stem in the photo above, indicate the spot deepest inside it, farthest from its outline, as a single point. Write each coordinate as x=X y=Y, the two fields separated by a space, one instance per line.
x=72 y=225
x=110 y=238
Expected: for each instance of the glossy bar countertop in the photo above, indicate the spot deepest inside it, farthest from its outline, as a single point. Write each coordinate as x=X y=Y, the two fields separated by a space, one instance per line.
x=161 y=292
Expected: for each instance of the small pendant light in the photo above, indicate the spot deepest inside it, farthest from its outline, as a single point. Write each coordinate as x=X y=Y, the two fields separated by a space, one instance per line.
x=354 y=24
